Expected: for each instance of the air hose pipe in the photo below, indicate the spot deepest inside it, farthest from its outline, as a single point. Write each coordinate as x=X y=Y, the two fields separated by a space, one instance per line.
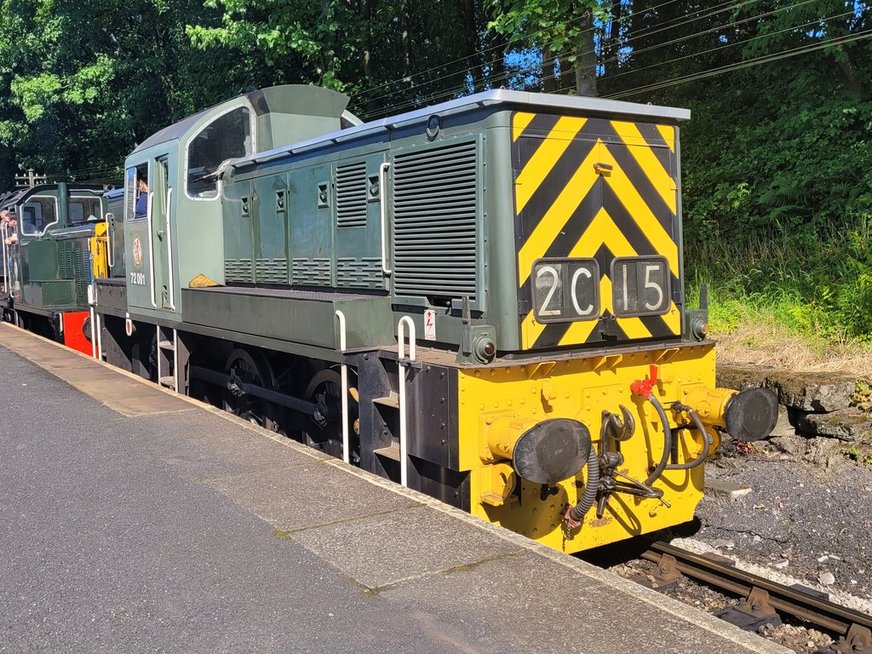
x=667 y=441
x=645 y=389
x=575 y=514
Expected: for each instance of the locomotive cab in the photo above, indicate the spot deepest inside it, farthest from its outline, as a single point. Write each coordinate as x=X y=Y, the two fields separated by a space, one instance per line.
x=173 y=193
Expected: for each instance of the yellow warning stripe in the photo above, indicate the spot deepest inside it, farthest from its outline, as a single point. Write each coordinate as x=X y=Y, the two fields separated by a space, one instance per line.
x=557 y=215
x=673 y=318
x=633 y=327
x=545 y=158
x=519 y=123
x=668 y=134
x=531 y=330
x=602 y=231
x=578 y=332
x=641 y=212
x=648 y=162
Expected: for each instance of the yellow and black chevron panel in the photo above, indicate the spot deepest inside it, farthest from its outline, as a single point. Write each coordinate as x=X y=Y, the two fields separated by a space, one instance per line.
x=601 y=190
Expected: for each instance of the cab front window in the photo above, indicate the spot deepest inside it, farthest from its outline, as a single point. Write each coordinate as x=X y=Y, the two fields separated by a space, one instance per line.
x=84 y=210
x=227 y=137
x=136 y=193
x=37 y=214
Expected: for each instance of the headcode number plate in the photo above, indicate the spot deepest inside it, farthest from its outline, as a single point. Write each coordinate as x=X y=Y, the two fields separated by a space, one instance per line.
x=640 y=286
x=565 y=290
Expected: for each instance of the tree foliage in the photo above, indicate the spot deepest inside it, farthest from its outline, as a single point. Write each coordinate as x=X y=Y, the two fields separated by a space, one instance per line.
x=564 y=32
x=87 y=80
x=776 y=158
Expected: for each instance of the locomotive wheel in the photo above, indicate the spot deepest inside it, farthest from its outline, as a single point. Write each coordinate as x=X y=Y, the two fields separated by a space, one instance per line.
x=250 y=368
x=326 y=388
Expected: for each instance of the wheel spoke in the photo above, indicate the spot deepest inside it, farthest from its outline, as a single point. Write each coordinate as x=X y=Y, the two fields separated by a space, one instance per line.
x=242 y=367
x=326 y=388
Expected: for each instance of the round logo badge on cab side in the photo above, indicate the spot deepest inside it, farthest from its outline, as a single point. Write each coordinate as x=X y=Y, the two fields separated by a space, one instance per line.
x=137 y=251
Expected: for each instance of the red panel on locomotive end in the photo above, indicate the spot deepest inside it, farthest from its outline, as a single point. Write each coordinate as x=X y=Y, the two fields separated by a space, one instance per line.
x=75 y=331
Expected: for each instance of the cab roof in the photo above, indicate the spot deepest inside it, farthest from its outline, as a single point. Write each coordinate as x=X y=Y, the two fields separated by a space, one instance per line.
x=301 y=99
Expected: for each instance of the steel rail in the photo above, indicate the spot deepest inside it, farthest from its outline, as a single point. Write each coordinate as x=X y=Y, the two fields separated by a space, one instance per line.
x=817 y=611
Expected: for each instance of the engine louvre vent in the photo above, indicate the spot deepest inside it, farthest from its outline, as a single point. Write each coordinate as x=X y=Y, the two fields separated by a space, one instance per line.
x=351 y=186
x=435 y=221
x=271 y=271
x=311 y=272
x=237 y=270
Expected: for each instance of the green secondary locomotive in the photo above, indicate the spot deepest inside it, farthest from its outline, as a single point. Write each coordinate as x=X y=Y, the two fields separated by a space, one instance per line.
x=482 y=300
x=47 y=259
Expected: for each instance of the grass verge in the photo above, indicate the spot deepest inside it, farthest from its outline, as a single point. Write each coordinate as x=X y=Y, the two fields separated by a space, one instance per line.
x=755 y=332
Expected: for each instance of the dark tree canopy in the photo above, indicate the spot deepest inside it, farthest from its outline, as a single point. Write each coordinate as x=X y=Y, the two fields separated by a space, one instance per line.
x=778 y=150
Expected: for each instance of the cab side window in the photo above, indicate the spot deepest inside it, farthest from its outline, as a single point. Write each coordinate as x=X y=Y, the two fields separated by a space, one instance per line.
x=37 y=214
x=227 y=137
x=136 y=193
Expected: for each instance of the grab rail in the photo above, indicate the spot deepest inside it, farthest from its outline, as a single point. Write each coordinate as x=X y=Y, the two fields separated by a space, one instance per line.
x=170 y=283
x=401 y=364
x=151 y=249
x=110 y=253
x=343 y=374
x=383 y=214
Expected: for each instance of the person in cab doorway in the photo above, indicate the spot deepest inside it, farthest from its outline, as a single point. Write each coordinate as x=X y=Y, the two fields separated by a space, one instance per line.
x=141 y=199
x=8 y=223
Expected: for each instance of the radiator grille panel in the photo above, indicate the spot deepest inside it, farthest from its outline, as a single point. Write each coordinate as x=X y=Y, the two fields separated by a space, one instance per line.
x=365 y=272
x=65 y=264
x=311 y=272
x=351 y=187
x=435 y=221
x=271 y=271
x=237 y=270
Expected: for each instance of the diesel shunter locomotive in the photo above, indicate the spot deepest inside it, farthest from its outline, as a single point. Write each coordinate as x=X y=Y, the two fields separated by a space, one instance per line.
x=482 y=300
x=47 y=258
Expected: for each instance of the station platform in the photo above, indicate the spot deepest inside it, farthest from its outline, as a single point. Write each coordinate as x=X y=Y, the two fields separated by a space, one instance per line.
x=134 y=519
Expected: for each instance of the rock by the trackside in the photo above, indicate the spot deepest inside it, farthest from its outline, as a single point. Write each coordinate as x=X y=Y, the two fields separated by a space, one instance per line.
x=726 y=489
x=817 y=392
x=740 y=377
x=848 y=424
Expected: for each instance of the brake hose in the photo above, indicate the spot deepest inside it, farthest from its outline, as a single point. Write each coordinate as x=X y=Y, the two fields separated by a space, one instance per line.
x=667 y=441
x=575 y=515
x=706 y=441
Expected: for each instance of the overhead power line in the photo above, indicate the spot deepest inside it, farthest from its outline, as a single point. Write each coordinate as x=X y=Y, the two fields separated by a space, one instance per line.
x=764 y=59
x=462 y=60
x=468 y=69
x=729 y=45
x=458 y=90
x=671 y=24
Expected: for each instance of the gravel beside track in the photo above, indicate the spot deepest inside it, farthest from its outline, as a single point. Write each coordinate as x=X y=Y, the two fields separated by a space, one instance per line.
x=808 y=520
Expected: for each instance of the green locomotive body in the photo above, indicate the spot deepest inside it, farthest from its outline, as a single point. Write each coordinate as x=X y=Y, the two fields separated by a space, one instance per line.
x=48 y=258
x=479 y=300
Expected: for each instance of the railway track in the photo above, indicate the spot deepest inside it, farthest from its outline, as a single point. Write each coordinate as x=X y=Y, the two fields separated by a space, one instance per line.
x=763 y=600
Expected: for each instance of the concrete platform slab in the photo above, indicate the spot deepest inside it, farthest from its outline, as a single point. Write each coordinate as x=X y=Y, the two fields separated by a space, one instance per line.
x=211 y=448
x=423 y=542
x=105 y=387
x=59 y=362
x=146 y=405
x=194 y=531
x=306 y=496
x=528 y=599
x=89 y=373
